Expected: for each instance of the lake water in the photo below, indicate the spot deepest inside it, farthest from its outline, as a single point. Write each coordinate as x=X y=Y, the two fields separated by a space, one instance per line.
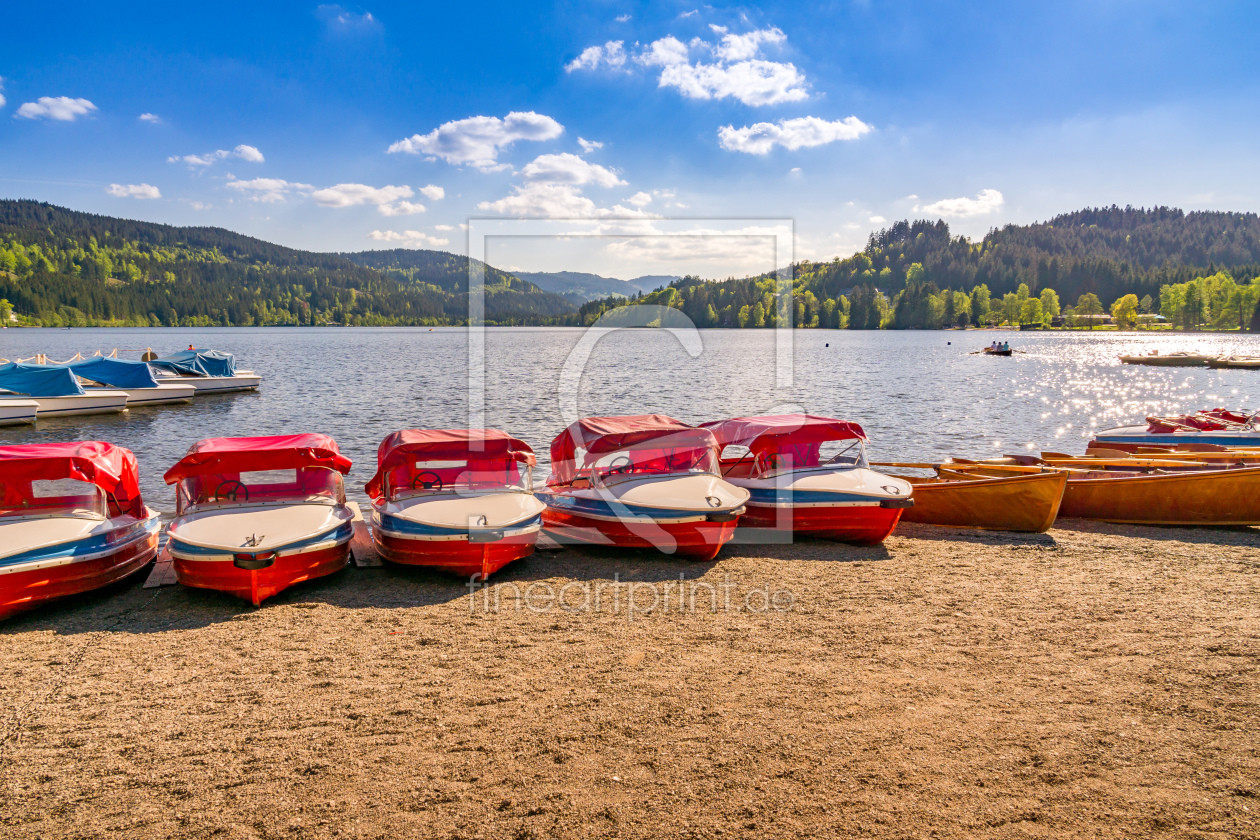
x=919 y=395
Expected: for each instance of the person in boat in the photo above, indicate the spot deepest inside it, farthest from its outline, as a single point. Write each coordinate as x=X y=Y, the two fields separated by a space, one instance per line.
x=1006 y=347
x=190 y=347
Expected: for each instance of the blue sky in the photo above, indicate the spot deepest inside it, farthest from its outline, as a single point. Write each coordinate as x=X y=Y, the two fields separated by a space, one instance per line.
x=390 y=125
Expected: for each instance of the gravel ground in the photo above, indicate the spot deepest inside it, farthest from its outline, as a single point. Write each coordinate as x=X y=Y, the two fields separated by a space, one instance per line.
x=1095 y=681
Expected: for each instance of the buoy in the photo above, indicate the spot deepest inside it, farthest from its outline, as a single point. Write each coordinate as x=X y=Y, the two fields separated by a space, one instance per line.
x=826 y=345
x=948 y=343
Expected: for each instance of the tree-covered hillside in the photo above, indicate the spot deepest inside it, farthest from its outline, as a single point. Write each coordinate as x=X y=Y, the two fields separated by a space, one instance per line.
x=917 y=275
x=62 y=267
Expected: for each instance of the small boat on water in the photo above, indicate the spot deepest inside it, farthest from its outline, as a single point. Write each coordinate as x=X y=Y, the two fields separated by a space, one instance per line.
x=71 y=520
x=256 y=515
x=1235 y=362
x=56 y=391
x=646 y=481
x=457 y=500
x=135 y=378
x=1217 y=426
x=208 y=371
x=809 y=475
x=1025 y=502
x=1178 y=359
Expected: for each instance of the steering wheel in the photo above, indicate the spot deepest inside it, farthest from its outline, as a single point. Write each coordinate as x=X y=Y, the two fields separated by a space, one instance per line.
x=435 y=484
x=236 y=488
x=615 y=466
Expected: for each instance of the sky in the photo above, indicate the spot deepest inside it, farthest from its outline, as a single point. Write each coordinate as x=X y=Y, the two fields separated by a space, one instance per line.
x=347 y=127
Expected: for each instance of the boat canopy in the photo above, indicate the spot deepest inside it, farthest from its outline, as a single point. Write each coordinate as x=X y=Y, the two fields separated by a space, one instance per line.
x=109 y=467
x=39 y=380
x=670 y=440
x=120 y=373
x=198 y=363
x=222 y=456
x=404 y=455
x=798 y=435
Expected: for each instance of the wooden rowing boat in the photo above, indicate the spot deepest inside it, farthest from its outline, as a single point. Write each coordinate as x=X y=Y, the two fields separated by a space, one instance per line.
x=1236 y=362
x=1205 y=496
x=1010 y=503
x=1169 y=360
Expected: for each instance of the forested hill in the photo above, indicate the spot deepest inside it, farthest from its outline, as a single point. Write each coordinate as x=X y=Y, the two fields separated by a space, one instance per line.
x=1106 y=252
x=61 y=267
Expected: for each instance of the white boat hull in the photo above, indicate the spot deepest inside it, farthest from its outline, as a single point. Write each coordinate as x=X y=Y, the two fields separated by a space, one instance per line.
x=92 y=402
x=164 y=394
x=245 y=381
x=17 y=412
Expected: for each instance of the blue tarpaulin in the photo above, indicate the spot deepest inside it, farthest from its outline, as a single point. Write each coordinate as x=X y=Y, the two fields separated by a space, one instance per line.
x=39 y=380
x=198 y=363
x=119 y=373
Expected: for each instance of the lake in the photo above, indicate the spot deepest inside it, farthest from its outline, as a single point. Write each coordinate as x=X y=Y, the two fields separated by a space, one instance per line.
x=919 y=395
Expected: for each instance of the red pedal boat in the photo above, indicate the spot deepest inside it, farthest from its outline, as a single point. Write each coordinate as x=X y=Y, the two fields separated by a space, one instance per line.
x=256 y=515
x=808 y=474
x=458 y=500
x=648 y=481
x=71 y=520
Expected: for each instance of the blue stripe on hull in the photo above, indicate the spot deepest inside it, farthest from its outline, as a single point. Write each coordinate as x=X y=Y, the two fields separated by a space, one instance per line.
x=340 y=534
x=784 y=496
x=399 y=525
x=1173 y=439
x=85 y=547
x=598 y=507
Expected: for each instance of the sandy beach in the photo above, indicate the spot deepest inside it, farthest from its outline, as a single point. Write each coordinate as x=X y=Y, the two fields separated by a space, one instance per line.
x=1095 y=681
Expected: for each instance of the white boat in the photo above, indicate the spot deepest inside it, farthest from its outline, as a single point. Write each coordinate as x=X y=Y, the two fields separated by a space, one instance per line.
x=255 y=516
x=57 y=391
x=17 y=412
x=135 y=378
x=209 y=371
x=71 y=520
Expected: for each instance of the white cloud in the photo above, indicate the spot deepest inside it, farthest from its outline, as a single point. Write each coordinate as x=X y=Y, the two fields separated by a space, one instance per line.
x=802 y=132
x=267 y=190
x=737 y=69
x=877 y=220
x=433 y=192
x=986 y=201
x=150 y=118
x=690 y=14
x=612 y=54
x=412 y=237
x=622 y=18
x=1 y=94
x=478 y=140
x=246 y=153
x=640 y=199
x=340 y=20
x=569 y=169
x=443 y=227
x=388 y=200
x=61 y=108
x=795 y=170
x=556 y=201
x=912 y=198
x=199 y=205
x=134 y=191
x=589 y=146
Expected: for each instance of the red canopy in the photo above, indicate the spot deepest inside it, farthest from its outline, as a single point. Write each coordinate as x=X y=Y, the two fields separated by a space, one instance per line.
x=233 y=455
x=600 y=435
x=770 y=434
x=109 y=467
x=477 y=446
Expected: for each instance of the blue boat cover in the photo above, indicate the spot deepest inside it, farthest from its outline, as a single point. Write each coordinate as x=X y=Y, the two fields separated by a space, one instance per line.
x=39 y=380
x=119 y=373
x=199 y=363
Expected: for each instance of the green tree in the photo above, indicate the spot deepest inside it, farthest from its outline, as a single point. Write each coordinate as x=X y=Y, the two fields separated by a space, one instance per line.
x=1049 y=304
x=1030 y=312
x=745 y=315
x=1146 y=306
x=758 y=315
x=980 y=302
x=1089 y=304
x=1125 y=311
x=962 y=309
x=1011 y=305
x=6 y=311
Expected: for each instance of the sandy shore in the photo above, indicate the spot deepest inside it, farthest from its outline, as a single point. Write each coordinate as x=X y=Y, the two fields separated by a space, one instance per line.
x=1096 y=681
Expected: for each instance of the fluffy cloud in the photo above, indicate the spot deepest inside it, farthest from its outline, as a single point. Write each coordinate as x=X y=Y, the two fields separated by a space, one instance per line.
x=611 y=54
x=1 y=89
x=640 y=199
x=760 y=138
x=477 y=140
x=341 y=21
x=443 y=227
x=412 y=237
x=433 y=192
x=589 y=146
x=877 y=220
x=622 y=18
x=267 y=190
x=569 y=169
x=150 y=118
x=556 y=201
x=388 y=200
x=133 y=191
x=736 y=70
x=61 y=108
x=986 y=201
x=247 y=153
